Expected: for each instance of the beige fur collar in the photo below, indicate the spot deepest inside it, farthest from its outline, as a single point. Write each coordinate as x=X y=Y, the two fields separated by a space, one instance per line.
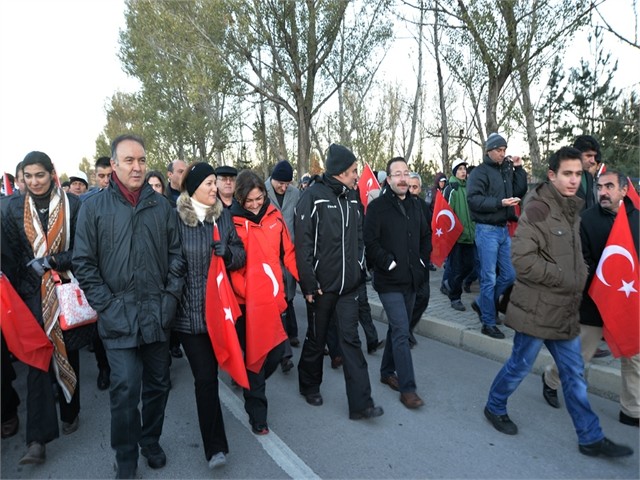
x=188 y=214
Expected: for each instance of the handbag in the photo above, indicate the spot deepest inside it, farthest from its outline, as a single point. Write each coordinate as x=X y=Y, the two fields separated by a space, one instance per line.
x=75 y=311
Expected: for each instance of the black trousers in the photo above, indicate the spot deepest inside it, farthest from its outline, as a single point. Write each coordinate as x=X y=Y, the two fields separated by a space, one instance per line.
x=355 y=370
x=137 y=373
x=364 y=316
x=204 y=367
x=255 y=398
x=10 y=399
x=462 y=261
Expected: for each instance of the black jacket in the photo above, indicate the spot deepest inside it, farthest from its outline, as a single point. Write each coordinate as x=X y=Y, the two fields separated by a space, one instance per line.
x=196 y=238
x=129 y=263
x=328 y=238
x=595 y=226
x=397 y=230
x=17 y=251
x=490 y=183
x=589 y=194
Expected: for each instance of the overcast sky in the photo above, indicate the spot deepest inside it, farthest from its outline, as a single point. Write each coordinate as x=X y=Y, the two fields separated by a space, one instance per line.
x=59 y=68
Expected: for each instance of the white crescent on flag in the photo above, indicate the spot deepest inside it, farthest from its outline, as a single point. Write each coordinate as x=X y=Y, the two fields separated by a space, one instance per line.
x=269 y=271
x=612 y=250
x=451 y=217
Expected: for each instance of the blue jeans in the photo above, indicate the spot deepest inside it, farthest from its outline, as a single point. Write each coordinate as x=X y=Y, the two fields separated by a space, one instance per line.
x=494 y=252
x=568 y=358
x=397 y=353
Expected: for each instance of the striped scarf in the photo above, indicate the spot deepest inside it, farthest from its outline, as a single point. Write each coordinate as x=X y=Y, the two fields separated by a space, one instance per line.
x=55 y=240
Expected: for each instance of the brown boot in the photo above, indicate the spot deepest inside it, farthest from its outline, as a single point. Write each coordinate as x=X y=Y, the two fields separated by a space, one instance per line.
x=411 y=400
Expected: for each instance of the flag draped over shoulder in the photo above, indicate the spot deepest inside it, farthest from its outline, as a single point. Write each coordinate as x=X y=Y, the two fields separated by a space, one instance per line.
x=445 y=230
x=221 y=312
x=264 y=305
x=366 y=183
x=25 y=337
x=614 y=289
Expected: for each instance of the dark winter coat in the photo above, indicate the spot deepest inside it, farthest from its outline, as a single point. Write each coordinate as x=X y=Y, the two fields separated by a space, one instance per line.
x=129 y=263
x=328 y=238
x=397 y=230
x=196 y=238
x=550 y=271
x=595 y=227
x=490 y=183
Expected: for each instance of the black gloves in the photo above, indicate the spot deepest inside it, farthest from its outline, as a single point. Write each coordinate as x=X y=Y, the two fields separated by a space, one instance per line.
x=41 y=265
x=221 y=250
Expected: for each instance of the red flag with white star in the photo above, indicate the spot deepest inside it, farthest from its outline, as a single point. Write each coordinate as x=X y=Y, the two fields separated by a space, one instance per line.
x=445 y=230
x=221 y=312
x=633 y=195
x=614 y=289
x=366 y=183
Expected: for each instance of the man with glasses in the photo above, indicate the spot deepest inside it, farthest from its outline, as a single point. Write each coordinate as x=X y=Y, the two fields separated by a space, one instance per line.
x=397 y=244
x=226 y=183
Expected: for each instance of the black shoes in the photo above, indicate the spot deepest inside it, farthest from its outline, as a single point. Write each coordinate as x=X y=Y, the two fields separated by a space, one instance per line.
x=69 y=428
x=492 y=331
x=374 y=347
x=104 y=379
x=369 y=412
x=294 y=341
x=626 y=419
x=260 y=428
x=466 y=288
x=176 y=352
x=126 y=471
x=156 y=458
x=314 y=399
x=10 y=427
x=412 y=340
x=286 y=364
x=606 y=448
x=476 y=308
x=457 y=305
x=550 y=394
x=502 y=423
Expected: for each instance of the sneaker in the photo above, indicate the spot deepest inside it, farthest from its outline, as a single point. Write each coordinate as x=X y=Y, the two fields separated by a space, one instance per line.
x=156 y=458
x=606 y=448
x=492 y=331
x=550 y=394
x=259 y=428
x=218 y=460
x=457 y=305
x=502 y=423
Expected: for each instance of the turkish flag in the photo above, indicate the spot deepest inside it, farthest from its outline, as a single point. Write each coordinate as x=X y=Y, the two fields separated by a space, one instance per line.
x=24 y=335
x=614 y=289
x=633 y=195
x=264 y=305
x=221 y=311
x=445 y=230
x=8 y=189
x=366 y=183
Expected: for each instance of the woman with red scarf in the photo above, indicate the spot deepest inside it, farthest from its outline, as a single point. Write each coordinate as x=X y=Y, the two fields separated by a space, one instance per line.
x=39 y=228
x=259 y=288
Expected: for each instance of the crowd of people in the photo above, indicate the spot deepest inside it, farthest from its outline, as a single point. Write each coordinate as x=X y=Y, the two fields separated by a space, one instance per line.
x=142 y=249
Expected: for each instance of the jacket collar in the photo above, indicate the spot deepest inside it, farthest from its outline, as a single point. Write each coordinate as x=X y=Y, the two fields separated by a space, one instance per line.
x=188 y=214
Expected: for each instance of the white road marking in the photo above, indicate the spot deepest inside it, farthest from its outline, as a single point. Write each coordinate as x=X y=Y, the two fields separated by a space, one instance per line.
x=284 y=457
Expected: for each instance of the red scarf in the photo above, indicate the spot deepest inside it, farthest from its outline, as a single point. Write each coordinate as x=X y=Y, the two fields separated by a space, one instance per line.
x=132 y=197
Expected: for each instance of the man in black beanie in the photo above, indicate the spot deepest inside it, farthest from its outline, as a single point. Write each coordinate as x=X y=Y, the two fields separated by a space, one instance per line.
x=330 y=255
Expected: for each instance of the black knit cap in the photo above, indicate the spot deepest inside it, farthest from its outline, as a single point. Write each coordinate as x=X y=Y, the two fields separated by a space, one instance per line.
x=198 y=173
x=282 y=172
x=339 y=159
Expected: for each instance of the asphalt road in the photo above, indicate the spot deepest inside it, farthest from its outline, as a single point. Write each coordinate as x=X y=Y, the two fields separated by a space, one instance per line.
x=448 y=438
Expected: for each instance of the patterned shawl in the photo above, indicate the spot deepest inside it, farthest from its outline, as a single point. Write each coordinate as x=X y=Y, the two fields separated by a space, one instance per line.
x=55 y=240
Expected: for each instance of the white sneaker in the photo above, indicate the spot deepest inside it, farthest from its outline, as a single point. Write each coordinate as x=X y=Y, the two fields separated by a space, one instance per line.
x=218 y=460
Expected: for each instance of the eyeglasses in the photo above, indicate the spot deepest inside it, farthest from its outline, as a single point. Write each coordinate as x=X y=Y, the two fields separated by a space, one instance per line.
x=400 y=174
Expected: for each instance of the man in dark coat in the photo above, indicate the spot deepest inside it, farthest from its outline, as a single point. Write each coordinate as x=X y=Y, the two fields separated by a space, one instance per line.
x=329 y=255
x=397 y=246
x=545 y=301
x=128 y=260
x=595 y=227
x=590 y=156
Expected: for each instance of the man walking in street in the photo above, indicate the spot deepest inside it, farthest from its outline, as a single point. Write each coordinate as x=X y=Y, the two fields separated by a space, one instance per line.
x=329 y=254
x=595 y=226
x=545 y=302
x=127 y=258
x=397 y=245
x=494 y=188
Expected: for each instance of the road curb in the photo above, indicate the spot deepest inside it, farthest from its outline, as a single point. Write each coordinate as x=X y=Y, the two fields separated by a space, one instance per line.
x=603 y=381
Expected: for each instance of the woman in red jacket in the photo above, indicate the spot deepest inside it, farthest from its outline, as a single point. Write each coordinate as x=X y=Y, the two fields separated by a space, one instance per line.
x=259 y=287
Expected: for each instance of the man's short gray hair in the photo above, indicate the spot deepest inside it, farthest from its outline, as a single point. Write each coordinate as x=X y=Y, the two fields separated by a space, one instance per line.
x=416 y=175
